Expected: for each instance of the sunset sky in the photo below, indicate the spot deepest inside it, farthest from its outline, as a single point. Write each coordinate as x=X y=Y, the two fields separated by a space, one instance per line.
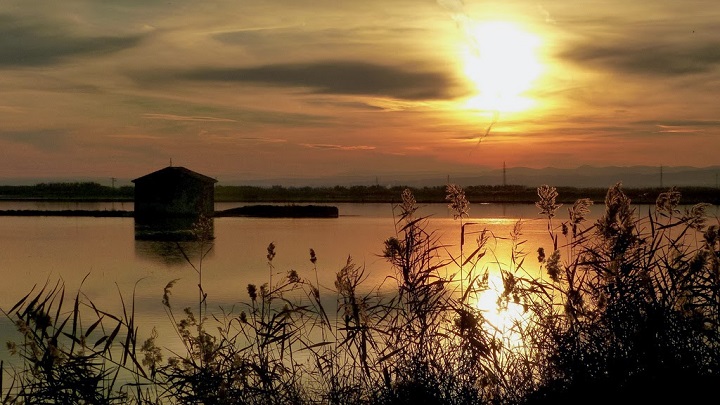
x=241 y=90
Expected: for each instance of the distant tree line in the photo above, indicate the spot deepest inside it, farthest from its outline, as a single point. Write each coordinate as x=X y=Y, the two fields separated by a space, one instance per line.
x=436 y=194
x=89 y=191
x=68 y=191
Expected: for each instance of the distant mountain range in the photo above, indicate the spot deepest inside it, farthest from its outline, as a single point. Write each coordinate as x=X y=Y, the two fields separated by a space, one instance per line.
x=583 y=176
x=588 y=176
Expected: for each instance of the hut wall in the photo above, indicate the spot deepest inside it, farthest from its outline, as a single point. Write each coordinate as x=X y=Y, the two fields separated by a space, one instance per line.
x=173 y=194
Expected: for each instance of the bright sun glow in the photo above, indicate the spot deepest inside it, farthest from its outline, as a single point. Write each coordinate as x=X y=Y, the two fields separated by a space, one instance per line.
x=500 y=59
x=506 y=320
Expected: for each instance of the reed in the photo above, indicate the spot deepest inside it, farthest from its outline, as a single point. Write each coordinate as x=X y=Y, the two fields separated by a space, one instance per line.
x=66 y=358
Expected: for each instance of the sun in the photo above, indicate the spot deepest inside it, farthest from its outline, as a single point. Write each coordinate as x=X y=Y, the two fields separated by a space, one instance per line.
x=501 y=61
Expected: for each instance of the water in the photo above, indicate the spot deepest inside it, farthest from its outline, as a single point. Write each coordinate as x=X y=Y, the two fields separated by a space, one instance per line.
x=101 y=257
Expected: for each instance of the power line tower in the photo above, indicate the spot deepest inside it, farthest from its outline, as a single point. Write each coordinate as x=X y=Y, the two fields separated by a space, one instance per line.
x=504 y=175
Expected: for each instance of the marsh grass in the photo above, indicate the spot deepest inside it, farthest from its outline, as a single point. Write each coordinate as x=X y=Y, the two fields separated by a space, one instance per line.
x=608 y=309
x=637 y=304
x=65 y=358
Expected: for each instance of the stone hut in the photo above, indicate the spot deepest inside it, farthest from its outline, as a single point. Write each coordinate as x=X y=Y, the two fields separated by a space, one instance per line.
x=174 y=192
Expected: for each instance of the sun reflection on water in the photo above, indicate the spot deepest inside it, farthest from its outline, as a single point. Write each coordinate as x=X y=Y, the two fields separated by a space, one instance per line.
x=506 y=319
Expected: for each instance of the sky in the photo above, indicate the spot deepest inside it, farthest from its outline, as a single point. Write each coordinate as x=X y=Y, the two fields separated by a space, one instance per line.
x=246 y=90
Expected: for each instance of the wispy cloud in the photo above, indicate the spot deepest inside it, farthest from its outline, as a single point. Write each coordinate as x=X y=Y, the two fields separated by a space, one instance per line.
x=27 y=44
x=140 y=137
x=261 y=139
x=330 y=77
x=677 y=130
x=349 y=105
x=235 y=139
x=12 y=109
x=43 y=139
x=649 y=57
x=173 y=117
x=193 y=112
x=682 y=123
x=337 y=147
x=546 y=14
x=277 y=37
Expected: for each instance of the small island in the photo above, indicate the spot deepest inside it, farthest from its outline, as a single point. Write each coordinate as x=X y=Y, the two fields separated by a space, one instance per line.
x=281 y=211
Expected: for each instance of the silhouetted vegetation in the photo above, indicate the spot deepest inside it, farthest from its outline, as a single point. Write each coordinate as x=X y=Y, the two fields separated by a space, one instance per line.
x=627 y=307
x=351 y=194
x=477 y=193
x=67 y=213
x=87 y=191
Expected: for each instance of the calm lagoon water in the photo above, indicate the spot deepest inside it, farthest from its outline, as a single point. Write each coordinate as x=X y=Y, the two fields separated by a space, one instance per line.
x=104 y=253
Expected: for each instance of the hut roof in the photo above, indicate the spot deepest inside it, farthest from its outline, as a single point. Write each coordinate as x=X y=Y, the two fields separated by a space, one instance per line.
x=175 y=170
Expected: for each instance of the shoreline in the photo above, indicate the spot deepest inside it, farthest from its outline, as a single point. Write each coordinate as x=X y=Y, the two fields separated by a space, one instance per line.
x=506 y=194
x=254 y=211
